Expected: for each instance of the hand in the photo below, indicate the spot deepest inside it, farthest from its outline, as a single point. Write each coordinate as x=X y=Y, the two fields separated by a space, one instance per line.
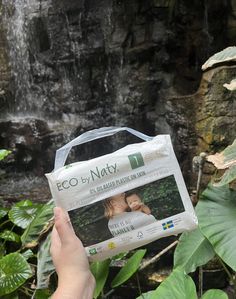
x=75 y=280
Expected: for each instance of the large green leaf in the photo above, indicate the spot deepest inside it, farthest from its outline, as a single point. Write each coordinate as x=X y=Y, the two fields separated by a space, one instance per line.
x=145 y=295
x=27 y=254
x=129 y=268
x=42 y=294
x=4 y=153
x=13 y=295
x=9 y=236
x=14 y=271
x=228 y=177
x=36 y=226
x=100 y=272
x=23 y=212
x=192 y=251
x=45 y=265
x=215 y=294
x=3 y=212
x=176 y=286
x=216 y=213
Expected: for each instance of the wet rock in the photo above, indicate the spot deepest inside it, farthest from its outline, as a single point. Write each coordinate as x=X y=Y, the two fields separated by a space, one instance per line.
x=30 y=140
x=85 y=64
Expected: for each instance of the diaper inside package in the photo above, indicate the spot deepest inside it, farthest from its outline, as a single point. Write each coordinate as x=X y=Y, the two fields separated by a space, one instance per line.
x=126 y=199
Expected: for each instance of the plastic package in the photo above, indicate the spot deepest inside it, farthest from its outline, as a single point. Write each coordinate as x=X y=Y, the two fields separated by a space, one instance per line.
x=124 y=199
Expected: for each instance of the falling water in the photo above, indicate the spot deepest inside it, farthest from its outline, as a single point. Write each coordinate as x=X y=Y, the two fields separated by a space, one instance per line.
x=17 y=14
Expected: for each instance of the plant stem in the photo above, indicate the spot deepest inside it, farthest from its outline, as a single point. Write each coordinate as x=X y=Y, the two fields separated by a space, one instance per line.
x=231 y=277
x=138 y=283
x=156 y=257
x=108 y=294
x=226 y=269
x=200 y=281
x=5 y=222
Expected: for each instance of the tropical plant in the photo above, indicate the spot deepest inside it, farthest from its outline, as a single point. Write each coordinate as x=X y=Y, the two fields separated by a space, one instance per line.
x=21 y=228
x=214 y=239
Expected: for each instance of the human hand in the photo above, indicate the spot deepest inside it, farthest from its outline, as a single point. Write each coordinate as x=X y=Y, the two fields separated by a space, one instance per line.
x=75 y=280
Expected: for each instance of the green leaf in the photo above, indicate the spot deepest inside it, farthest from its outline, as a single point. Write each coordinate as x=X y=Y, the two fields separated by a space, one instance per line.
x=14 y=271
x=45 y=266
x=2 y=250
x=42 y=294
x=215 y=294
x=119 y=256
x=10 y=236
x=228 y=176
x=100 y=272
x=192 y=251
x=230 y=153
x=129 y=268
x=27 y=254
x=216 y=213
x=145 y=295
x=36 y=226
x=4 y=153
x=23 y=212
x=11 y=296
x=176 y=286
x=3 y=212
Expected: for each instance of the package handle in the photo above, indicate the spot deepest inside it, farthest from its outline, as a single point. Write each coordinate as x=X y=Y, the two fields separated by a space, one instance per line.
x=62 y=153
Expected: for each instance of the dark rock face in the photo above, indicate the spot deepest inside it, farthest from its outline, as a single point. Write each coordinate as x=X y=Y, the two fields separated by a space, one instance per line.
x=80 y=65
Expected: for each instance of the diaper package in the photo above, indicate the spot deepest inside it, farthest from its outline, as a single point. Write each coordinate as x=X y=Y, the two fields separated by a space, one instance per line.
x=125 y=199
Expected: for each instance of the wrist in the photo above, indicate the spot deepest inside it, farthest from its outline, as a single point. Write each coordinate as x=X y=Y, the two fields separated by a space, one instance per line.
x=76 y=287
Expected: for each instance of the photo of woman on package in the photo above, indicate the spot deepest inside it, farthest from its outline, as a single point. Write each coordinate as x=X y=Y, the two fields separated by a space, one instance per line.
x=126 y=212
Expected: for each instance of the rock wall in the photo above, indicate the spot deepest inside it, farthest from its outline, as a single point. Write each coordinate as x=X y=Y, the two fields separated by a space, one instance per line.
x=88 y=64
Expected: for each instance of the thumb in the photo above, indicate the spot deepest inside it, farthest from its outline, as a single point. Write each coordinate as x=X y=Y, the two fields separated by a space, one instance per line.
x=63 y=226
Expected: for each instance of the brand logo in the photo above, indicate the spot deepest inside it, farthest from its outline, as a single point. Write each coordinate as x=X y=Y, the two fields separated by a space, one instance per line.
x=136 y=160
x=92 y=175
x=93 y=251
x=98 y=173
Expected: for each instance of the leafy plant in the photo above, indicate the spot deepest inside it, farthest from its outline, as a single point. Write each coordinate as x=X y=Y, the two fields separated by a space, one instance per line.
x=4 y=153
x=21 y=227
x=215 y=238
x=100 y=271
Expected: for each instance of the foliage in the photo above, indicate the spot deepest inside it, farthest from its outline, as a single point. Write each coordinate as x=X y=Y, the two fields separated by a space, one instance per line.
x=21 y=225
x=214 y=238
x=129 y=269
x=217 y=220
x=45 y=267
x=192 y=251
x=177 y=285
x=25 y=223
x=100 y=272
x=4 y=153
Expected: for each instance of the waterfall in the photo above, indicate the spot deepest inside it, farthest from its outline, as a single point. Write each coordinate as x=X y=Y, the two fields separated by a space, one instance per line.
x=16 y=17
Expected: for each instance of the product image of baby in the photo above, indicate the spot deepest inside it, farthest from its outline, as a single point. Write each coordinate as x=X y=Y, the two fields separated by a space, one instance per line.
x=135 y=204
x=121 y=219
